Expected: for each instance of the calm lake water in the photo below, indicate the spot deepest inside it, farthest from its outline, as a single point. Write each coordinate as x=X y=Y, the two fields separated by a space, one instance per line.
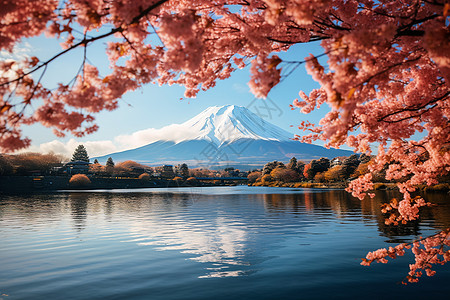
x=207 y=243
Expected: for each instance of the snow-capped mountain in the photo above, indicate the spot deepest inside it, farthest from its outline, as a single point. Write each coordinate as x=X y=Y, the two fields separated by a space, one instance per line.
x=224 y=136
x=225 y=124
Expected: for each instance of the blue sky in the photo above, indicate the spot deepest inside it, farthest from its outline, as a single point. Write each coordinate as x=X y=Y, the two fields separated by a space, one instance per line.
x=154 y=107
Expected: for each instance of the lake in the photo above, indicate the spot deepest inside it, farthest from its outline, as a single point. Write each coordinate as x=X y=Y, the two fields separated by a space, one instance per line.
x=208 y=243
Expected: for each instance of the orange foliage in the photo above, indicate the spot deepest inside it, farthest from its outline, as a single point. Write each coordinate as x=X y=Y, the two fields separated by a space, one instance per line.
x=253 y=176
x=144 y=177
x=96 y=169
x=191 y=180
x=306 y=171
x=130 y=164
x=361 y=170
x=319 y=177
x=334 y=174
x=27 y=162
x=266 y=178
x=202 y=173
x=79 y=180
x=127 y=167
x=284 y=175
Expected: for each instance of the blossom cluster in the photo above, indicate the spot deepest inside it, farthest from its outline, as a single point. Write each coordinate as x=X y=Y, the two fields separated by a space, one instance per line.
x=403 y=211
x=433 y=250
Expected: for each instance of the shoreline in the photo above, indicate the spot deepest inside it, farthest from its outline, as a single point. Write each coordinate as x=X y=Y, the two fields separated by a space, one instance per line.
x=30 y=184
x=378 y=186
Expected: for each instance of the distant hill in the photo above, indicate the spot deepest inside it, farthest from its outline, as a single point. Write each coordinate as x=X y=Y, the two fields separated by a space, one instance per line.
x=223 y=136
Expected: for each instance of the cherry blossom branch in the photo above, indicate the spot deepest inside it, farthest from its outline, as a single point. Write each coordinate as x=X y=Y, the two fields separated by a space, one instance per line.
x=412 y=109
x=85 y=42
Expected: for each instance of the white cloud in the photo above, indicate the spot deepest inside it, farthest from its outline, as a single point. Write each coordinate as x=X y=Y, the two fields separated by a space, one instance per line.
x=174 y=132
x=94 y=148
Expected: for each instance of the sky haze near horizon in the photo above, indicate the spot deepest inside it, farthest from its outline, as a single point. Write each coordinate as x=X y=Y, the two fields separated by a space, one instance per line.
x=156 y=106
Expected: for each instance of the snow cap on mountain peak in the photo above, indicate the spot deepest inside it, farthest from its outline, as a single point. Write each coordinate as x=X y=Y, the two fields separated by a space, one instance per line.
x=220 y=124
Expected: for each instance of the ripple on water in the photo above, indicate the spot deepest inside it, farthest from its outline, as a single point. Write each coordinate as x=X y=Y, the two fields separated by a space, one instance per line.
x=231 y=242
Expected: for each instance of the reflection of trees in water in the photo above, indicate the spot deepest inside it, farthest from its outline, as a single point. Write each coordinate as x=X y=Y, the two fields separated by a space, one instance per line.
x=118 y=205
x=79 y=209
x=52 y=208
x=344 y=206
x=437 y=217
x=138 y=203
x=109 y=206
x=32 y=209
x=312 y=201
x=440 y=214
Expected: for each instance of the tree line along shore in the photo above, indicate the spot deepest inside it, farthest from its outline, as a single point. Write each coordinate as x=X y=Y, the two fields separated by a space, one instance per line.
x=35 y=171
x=31 y=171
x=334 y=173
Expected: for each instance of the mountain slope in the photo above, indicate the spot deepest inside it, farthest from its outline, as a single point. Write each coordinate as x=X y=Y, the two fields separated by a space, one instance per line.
x=225 y=136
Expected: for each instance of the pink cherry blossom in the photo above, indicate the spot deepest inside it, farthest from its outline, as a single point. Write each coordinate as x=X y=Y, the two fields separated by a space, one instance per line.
x=385 y=73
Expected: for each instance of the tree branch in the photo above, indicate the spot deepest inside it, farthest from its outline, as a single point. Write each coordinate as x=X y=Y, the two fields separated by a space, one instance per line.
x=85 y=41
x=413 y=109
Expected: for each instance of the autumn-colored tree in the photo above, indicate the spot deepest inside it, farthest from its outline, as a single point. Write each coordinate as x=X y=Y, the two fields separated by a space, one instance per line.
x=361 y=170
x=334 y=174
x=130 y=168
x=144 y=177
x=253 y=176
x=97 y=169
x=269 y=167
x=266 y=178
x=306 y=172
x=199 y=172
x=192 y=181
x=79 y=180
x=316 y=166
x=28 y=162
x=319 y=177
x=284 y=174
x=178 y=179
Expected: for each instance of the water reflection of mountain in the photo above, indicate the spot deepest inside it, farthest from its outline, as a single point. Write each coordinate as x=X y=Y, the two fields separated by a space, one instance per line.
x=226 y=233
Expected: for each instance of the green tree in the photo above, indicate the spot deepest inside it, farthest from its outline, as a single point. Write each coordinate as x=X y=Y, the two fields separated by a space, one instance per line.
x=349 y=165
x=6 y=167
x=300 y=168
x=80 y=154
x=270 y=166
x=109 y=166
x=96 y=161
x=293 y=164
x=316 y=166
x=110 y=163
x=184 y=171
